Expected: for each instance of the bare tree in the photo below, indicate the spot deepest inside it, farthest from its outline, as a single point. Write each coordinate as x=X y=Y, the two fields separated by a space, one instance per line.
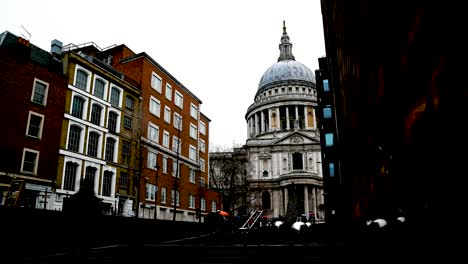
x=228 y=172
x=177 y=185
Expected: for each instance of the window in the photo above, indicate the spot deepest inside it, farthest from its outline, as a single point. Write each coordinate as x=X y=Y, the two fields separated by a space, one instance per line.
x=128 y=122
x=202 y=164
x=331 y=167
x=326 y=88
x=176 y=197
x=297 y=161
x=327 y=113
x=163 y=195
x=156 y=82
x=81 y=80
x=155 y=107
x=35 y=123
x=168 y=92
x=329 y=139
x=192 y=176
x=93 y=144
x=191 y=201
x=213 y=206
x=70 y=176
x=110 y=149
x=124 y=183
x=265 y=173
x=167 y=114
x=78 y=106
x=129 y=102
x=153 y=132
x=151 y=160
x=179 y=99
x=175 y=169
x=96 y=114
x=176 y=144
x=112 y=122
x=194 y=111
x=30 y=159
x=164 y=165
x=115 y=97
x=178 y=121
x=40 y=90
x=107 y=183
x=126 y=148
x=99 y=88
x=193 y=131
x=166 y=139
x=202 y=204
x=150 y=194
x=202 y=182
x=74 y=136
x=90 y=174
x=193 y=153
x=202 y=145
x=202 y=128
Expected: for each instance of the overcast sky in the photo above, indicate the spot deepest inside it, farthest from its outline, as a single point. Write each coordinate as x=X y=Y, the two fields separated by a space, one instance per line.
x=218 y=49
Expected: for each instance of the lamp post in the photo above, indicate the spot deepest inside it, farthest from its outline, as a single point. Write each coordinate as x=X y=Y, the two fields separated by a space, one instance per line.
x=156 y=192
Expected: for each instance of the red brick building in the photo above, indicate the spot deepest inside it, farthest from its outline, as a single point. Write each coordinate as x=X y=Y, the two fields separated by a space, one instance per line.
x=32 y=107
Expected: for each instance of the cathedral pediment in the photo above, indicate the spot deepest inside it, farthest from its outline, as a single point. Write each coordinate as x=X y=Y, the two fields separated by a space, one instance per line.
x=296 y=138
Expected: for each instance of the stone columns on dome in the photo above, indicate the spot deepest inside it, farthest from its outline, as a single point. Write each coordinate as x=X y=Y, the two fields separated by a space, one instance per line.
x=306 y=200
x=262 y=122
x=287 y=118
x=306 y=122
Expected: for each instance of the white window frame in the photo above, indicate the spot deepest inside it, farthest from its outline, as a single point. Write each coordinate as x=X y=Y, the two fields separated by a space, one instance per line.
x=163 y=195
x=166 y=138
x=191 y=201
x=167 y=114
x=114 y=177
x=99 y=148
x=41 y=125
x=179 y=100
x=153 y=127
x=46 y=92
x=151 y=160
x=120 y=95
x=36 y=162
x=156 y=110
x=202 y=145
x=150 y=193
x=106 y=86
x=193 y=131
x=176 y=144
x=116 y=147
x=202 y=128
x=175 y=168
x=84 y=114
x=119 y=117
x=203 y=204
x=83 y=132
x=158 y=88
x=176 y=198
x=88 y=81
x=179 y=123
x=192 y=175
x=164 y=168
x=193 y=111
x=202 y=165
x=193 y=153
x=103 y=112
x=213 y=206
x=168 y=92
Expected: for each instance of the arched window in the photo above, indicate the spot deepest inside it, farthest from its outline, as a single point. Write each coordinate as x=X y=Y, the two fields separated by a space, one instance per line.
x=70 y=176
x=74 y=137
x=78 y=106
x=90 y=174
x=93 y=143
x=265 y=173
x=81 y=80
x=96 y=114
x=266 y=201
x=99 y=88
x=110 y=148
x=297 y=161
x=107 y=183
x=112 y=124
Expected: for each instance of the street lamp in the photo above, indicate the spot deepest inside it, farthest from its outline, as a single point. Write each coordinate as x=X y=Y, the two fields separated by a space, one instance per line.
x=156 y=193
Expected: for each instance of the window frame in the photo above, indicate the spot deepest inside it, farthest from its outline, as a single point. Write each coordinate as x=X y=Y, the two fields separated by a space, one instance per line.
x=168 y=89
x=88 y=78
x=194 y=111
x=40 y=128
x=154 y=127
x=157 y=105
x=159 y=87
x=104 y=91
x=35 y=162
x=46 y=91
x=179 y=99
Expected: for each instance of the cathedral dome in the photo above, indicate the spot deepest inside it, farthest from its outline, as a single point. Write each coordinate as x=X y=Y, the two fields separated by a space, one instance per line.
x=286 y=70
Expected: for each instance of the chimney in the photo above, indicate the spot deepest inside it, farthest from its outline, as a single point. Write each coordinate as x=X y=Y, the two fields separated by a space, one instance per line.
x=56 y=48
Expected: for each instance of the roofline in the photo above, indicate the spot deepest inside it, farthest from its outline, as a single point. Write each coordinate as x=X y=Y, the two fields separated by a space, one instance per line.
x=145 y=55
x=204 y=116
